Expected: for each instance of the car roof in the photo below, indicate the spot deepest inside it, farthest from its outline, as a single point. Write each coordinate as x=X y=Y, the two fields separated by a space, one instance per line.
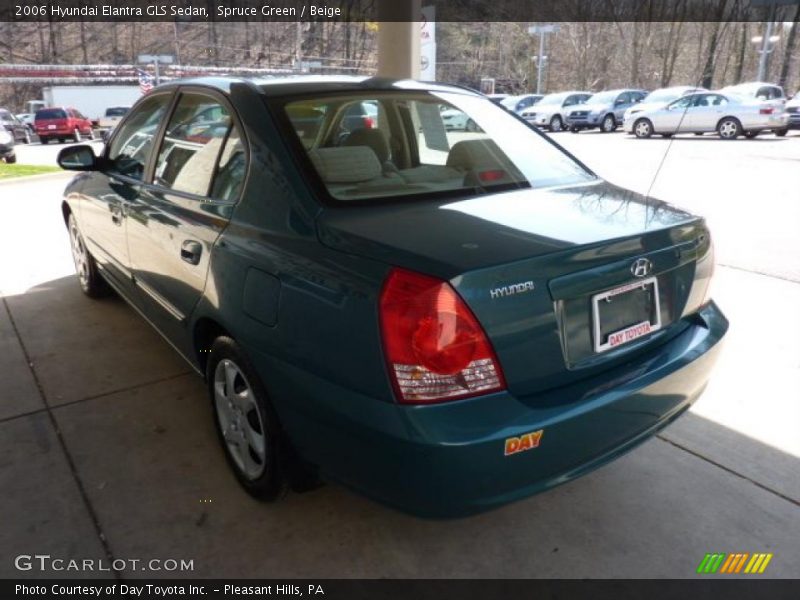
x=619 y=91
x=569 y=93
x=289 y=85
x=750 y=85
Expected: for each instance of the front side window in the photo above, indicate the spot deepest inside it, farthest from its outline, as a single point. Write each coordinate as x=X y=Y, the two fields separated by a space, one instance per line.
x=682 y=103
x=423 y=143
x=192 y=142
x=130 y=148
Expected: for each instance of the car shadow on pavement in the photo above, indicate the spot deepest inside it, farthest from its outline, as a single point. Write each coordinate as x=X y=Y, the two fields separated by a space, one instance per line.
x=122 y=458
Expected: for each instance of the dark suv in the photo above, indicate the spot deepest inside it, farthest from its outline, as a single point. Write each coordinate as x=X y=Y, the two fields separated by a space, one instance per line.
x=15 y=127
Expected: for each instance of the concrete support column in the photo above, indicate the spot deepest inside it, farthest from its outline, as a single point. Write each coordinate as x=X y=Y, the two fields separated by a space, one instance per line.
x=398 y=38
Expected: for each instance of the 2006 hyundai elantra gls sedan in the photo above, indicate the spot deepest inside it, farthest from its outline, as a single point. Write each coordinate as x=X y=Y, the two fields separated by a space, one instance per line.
x=442 y=320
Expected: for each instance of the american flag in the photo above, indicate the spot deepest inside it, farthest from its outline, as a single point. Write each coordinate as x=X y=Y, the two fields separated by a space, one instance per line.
x=145 y=82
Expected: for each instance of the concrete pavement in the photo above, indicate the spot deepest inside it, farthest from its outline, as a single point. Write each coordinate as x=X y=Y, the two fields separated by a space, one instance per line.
x=108 y=446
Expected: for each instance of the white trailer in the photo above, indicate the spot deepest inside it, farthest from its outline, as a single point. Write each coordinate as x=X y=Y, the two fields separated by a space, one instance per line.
x=91 y=100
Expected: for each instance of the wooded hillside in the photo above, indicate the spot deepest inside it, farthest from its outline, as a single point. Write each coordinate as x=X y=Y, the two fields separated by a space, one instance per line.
x=586 y=55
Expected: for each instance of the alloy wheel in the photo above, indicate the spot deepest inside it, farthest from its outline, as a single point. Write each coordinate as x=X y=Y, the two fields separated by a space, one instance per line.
x=643 y=129
x=728 y=129
x=239 y=419
x=556 y=124
x=79 y=254
x=608 y=124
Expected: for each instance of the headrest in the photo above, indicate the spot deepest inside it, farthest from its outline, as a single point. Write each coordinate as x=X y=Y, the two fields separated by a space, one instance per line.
x=372 y=138
x=470 y=154
x=346 y=164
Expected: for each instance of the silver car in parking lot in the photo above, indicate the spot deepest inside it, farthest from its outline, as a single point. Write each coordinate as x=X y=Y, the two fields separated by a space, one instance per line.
x=727 y=114
x=517 y=104
x=550 y=112
x=661 y=97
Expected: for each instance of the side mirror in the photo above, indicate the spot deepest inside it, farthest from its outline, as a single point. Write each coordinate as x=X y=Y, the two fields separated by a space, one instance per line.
x=77 y=158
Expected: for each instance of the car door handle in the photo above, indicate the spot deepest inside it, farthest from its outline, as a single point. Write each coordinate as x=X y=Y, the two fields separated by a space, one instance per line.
x=191 y=251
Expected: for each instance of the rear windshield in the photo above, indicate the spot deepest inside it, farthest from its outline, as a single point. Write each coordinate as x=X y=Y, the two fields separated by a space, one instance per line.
x=117 y=112
x=406 y=148
x=51 y=113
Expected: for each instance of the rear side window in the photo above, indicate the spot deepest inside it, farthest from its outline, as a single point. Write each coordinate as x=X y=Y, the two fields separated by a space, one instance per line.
x=131 y=147
x=195 y=135
x=51 y=113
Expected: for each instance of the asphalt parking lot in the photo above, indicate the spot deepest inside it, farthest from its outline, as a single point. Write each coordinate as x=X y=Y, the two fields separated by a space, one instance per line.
x=108 y=447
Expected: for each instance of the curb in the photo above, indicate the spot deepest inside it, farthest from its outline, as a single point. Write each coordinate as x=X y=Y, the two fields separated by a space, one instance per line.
x=26 y=178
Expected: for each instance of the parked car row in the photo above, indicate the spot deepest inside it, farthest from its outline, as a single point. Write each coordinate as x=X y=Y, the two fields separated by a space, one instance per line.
x=60 y=123
x=746 y=109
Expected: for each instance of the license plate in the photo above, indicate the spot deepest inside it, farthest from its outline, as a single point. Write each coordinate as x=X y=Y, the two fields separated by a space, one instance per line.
x=51 y=126
x=625 y=313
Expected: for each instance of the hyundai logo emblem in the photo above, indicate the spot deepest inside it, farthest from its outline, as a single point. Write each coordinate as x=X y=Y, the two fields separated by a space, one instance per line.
x=641 y=267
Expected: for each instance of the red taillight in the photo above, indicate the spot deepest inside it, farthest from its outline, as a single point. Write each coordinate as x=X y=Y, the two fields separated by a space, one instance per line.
x=369 y=122
x=766 y=111
x=435 y=348
x=491 y=175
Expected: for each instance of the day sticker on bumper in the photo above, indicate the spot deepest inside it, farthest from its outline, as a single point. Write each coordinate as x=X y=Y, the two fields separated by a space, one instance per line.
x=527 y=441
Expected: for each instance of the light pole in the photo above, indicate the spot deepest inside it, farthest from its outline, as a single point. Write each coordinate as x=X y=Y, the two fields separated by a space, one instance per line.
x=541 y=58
x=767 y=42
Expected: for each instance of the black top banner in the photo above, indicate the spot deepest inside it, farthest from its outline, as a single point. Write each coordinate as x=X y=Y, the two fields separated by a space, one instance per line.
x=534 y=11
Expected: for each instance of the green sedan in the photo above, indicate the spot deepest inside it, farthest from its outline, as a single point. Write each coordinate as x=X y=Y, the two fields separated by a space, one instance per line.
x=443 y=320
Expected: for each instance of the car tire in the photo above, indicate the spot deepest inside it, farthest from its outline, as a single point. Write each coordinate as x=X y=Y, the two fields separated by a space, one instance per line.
x=247 y=425
x=781 y=132
x=556 y=124
x=574 y=130
x=751 y=134
x=89 y=278
x=643 y=128
x=10 y=160
x=729 y=128
x=76 y=135
x=44 y=140
x=609 y=124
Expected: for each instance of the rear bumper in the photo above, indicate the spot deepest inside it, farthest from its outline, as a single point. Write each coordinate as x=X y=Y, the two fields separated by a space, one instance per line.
x=448 y=460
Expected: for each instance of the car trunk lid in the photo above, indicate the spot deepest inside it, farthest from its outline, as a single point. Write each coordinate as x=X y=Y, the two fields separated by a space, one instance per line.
x=530 y=262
